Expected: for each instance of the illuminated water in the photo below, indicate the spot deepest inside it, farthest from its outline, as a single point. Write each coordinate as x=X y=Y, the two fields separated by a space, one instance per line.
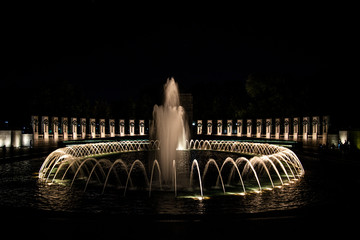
x=170 y=129
x=317 y=198
x=21 y=187
x=243 y=167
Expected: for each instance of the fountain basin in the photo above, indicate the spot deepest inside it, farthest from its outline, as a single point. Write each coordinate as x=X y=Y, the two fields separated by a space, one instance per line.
x=301 y=201
x=238 y=167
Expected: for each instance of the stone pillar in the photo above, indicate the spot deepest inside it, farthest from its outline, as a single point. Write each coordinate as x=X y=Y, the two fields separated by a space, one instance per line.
x=249 y=128
x=74 y=128
x=55 y=127
x=277 y=128
x=132 y=127
x=325 y=128
x=112 y=127
x=315 y=127
x=45 y=126
x=219 y=127
x=5 y=138
x=306 y=124
x=296 y=128
x=209 y=127
x=142 y=127
x=286 y=128
x=343 y=136
x=199 y=127
x=102 y=128
x=239 y=127
x=268 y=125
x=65 y=127
x=83 y=127
x=122 y=127
x=35 y=126
x=229 y=126
x=15 y=138
x=258 y=128
x=92 y=127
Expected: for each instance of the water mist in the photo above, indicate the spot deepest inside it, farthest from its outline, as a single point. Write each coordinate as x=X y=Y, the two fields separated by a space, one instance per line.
x=169 y=127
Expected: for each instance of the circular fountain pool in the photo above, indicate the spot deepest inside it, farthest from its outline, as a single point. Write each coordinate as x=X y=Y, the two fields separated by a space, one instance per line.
x=125 y=178
x=81 y=198
x=202 y=166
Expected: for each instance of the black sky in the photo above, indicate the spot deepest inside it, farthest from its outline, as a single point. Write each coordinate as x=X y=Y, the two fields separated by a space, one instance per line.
x=112 y=52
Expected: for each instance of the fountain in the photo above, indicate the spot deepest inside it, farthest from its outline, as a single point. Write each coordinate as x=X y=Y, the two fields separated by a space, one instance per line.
x=269 y=165
x=169 y=128
x=172 y=161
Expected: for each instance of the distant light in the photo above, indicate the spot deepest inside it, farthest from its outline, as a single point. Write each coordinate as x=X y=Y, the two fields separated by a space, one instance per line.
x=193 y=123
x=6 y=122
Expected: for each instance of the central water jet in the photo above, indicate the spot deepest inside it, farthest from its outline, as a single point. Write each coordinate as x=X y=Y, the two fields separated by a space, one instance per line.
x=169 y=128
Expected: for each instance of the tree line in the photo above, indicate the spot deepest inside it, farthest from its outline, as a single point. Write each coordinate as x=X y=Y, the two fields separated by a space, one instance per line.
x=257 y=95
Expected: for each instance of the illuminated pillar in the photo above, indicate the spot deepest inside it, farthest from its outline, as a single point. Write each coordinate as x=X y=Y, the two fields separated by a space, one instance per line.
x=74 y=128
x=199 y=127
x=122 y=127
x=315 y=127
x=92 y=127
x=15 y=138
x=286 y=128
x=112 y=127
x=102 y=128
x=306 y=123
x=83 y=127
x=132 y=127
x=142 y=127
x=277 y=128
x=296 y=128
x=65 y=127
x=55 y=127
x=5 y=138
x=343 y=136
x=45 y=126
x=258 y=128
x=209 y=127
x=219 y=127
x=35 y=126
x=268 y=129
x=239 y=124
x=229 y=126
x=248 y=128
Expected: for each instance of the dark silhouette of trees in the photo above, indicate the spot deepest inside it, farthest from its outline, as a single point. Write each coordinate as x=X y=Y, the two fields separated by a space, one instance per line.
x=272 y=95
x=262 y=95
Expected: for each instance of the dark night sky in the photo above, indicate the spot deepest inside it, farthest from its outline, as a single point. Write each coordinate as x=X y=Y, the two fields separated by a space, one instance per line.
x=111 y=53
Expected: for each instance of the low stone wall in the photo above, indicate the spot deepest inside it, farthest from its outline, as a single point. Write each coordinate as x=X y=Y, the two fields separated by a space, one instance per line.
x=15 y=138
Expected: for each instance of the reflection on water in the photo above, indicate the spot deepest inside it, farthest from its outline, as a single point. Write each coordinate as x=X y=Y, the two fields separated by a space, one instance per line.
x=19 y=187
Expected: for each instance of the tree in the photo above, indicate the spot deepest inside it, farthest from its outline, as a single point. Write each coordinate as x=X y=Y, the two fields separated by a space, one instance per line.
x=271 y=95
